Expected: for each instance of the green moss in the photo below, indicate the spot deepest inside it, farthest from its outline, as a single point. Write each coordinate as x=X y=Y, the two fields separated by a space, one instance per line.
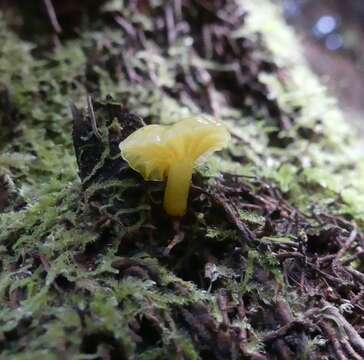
x=63 y=284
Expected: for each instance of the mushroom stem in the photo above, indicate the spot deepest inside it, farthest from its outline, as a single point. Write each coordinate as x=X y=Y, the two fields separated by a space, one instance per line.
x=177 y=189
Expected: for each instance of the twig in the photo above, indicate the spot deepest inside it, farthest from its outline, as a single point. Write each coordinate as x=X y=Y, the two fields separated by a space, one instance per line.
x=252 y=355
x=353 y=257
x=52 y=16
x=170 y=24
x=357 y=297
x=361 y=239
x=284 y=330
x=293 y=325
x=220 y=199
x=283 y=350
x=242 y=316
x=178 y=238
x=347 y=245
x=314 y=267
x=349 y=350
x=206 y=34
x=331 y=335
x=229 y=210
x=222 y=302
x=357 y=274
x=336 y=264
x=289 y=324
x=178 y=8
x=355 y=339
x=338 y=221
x=93 y=118
x=126 y=26
x=287 y=255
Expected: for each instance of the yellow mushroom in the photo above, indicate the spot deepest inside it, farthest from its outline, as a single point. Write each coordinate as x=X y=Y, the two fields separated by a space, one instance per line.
x=160 y=152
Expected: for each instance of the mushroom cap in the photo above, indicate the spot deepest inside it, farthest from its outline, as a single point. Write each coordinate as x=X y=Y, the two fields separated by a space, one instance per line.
x=153 y=148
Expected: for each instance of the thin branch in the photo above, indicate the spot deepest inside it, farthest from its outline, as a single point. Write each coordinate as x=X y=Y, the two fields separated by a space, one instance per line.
x=347 y=245
x=349 y=349
x=178 y=238
x=52 y=16
x=284 y=330
x=355 y=339
x=93 y=118
x=126 y=26
x=220 y=200
x=332 y=336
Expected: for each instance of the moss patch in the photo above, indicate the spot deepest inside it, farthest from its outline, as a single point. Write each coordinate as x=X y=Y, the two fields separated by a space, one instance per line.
x=271 y=246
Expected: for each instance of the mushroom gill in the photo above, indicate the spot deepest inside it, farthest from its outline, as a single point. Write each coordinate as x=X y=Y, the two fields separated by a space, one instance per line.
x=160 y=152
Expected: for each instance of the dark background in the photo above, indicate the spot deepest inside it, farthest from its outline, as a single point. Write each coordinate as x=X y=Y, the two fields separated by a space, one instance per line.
x=332 y=33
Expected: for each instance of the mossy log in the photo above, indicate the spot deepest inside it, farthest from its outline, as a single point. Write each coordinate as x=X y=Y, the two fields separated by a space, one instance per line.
x=267 y=263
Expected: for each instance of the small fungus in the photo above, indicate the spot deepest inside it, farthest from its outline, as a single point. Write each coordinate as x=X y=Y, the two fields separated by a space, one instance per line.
x=160 y=152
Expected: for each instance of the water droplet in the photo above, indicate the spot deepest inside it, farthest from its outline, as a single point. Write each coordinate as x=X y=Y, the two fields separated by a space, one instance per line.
x=334 y=42
x=291 y=8
x=325 y=25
